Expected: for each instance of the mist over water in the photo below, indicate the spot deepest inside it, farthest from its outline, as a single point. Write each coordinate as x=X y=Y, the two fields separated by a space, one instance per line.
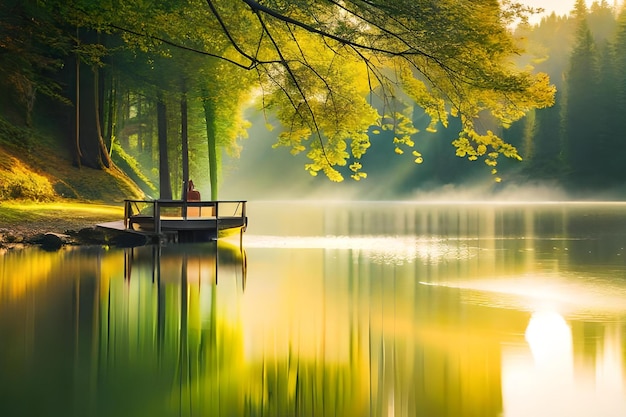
x=266 y=173
x=262 y=172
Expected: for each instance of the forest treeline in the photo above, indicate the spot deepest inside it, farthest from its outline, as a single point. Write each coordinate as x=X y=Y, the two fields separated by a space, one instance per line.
x=92 y=75
x=578 y=143
x=138 y=86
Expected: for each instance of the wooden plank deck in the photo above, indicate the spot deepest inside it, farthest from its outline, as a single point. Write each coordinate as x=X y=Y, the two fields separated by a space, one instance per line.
x=182 y=221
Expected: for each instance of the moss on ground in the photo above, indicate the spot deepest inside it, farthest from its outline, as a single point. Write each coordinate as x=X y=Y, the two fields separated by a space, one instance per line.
x=42 y=191
x=39 y=168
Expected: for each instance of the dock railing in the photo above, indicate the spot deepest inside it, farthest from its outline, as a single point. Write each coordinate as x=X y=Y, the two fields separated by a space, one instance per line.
x=145 y=212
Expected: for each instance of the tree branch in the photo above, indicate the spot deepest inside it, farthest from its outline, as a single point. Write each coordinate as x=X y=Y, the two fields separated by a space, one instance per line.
x=185 y=48
x=257 y=7
x=253 y=60
x=287 y=67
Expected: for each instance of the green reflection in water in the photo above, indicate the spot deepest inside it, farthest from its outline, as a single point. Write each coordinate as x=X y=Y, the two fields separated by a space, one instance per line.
x=474 y=311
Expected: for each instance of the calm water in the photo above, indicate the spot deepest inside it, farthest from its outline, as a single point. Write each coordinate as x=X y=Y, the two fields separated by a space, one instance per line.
x=367 y=309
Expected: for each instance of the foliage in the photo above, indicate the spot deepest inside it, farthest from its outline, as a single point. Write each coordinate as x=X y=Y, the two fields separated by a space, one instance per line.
x=130 y=166
x=11 y=134
x=158 y=60
x=31 y=46
x=334 y=127
x=336 y=73
x=21 y=183
x=18 y=180
x=317 y=64
x=579 y=141
x=452 y=58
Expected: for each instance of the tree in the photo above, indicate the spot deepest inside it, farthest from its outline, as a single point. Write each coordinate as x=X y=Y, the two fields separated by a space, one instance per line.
x=601 y=20
x=581 y=104
x=545 y=159
x=91 y=150
x=452 y=58
x=619 y=86
x=330 y=70
x=190 y=76
x=164 y=171
x=32 y=47
x=222 y=101
x=608 y=142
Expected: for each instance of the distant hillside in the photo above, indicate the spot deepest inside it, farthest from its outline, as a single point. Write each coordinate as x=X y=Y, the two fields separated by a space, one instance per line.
x=34 y=166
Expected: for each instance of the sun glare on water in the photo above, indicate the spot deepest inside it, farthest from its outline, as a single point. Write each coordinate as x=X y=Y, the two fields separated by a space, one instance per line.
x=380 y=249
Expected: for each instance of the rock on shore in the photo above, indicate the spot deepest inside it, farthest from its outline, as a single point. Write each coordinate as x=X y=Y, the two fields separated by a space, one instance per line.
x=51 y=240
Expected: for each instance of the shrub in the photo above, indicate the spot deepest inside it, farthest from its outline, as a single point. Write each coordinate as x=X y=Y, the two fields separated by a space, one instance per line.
x=21 y=183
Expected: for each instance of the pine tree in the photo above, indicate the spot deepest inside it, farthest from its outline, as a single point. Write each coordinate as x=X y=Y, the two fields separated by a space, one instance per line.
x=619 y=88
x=581 y=123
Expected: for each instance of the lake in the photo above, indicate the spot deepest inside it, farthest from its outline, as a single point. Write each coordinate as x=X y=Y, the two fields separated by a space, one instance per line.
x=330 y=309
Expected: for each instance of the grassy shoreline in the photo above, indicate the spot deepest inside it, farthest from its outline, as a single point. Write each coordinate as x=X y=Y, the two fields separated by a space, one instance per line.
x=22 y=221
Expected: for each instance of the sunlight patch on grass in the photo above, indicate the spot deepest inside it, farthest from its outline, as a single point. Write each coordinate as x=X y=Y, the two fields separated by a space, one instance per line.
x=14 y=212
x=20 y=181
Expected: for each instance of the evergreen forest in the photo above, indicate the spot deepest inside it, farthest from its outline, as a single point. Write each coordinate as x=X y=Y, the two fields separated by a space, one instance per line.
x=578 y=144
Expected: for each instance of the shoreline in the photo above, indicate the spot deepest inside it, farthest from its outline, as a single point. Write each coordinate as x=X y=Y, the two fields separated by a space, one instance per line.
x=25 y=236
x=24 y=224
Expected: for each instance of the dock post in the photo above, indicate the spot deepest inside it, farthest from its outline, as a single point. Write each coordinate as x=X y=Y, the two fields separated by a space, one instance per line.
x=126 y=214
x=156 y=210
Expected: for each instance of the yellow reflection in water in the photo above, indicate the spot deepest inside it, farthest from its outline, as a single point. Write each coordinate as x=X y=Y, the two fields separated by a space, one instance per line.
x=18 y=276
x=395 y=250
x=24 y=271
x=551 y=378
x=287 y=312
x=326 y=325
x=550 y=339
x=403 y=349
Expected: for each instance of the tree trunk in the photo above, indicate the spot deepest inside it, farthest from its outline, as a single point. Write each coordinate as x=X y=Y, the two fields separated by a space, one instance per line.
x=103 y=157
x=88 y=135
x=165 y=184
x=77 y=153
x=123 y=119
x=185 y=144
x=111 y=118
x=140 y=116
x=209 y=117
x=91 y=150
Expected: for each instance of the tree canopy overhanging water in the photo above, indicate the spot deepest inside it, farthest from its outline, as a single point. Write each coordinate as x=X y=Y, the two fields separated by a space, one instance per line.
x=348 y=96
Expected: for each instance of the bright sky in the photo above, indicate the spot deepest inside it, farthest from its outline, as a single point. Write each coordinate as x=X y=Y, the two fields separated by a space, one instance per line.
x=560 y=7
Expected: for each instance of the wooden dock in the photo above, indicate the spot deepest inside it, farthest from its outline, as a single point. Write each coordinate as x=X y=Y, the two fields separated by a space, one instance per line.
x=180 y=221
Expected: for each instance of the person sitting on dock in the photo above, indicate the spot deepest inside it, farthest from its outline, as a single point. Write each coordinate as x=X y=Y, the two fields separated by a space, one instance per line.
x=193 y=195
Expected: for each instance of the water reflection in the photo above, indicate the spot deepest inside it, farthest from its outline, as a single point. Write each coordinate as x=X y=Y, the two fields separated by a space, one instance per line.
x=550 y=340
x=560 y=377
x=90 y=332
x=493 y=316
x=394 y=250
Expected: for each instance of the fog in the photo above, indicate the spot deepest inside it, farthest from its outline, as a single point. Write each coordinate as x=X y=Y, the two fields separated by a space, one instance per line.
x=265 y=173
